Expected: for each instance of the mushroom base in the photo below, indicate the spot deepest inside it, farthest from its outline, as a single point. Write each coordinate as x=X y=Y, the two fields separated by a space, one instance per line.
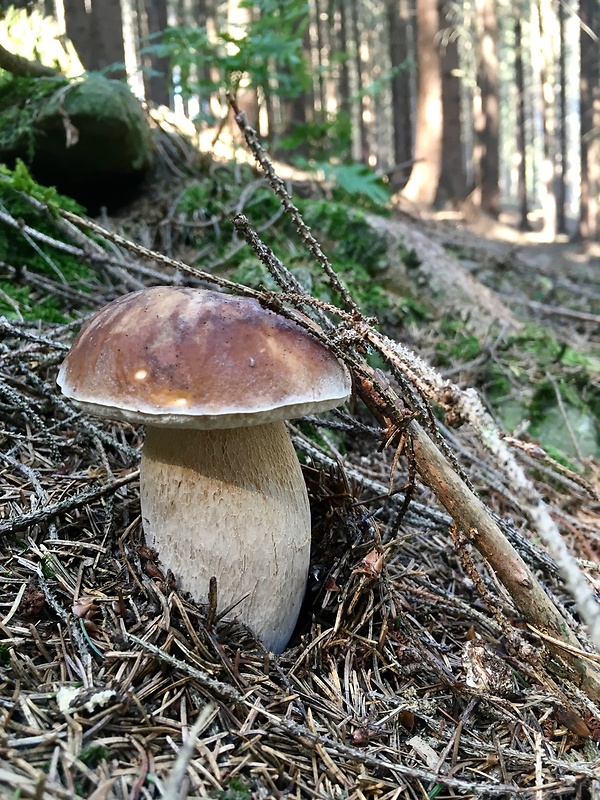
x=233 y=504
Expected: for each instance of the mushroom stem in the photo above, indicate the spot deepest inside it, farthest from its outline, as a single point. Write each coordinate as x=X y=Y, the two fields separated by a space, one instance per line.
x=231 y=503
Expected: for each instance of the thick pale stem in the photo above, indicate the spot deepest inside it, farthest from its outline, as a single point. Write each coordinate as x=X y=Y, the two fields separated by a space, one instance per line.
x=233 y=504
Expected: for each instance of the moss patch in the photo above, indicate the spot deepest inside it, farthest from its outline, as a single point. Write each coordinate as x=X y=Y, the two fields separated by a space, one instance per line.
x=535 y=383
x=356 y=254
x=22 y=254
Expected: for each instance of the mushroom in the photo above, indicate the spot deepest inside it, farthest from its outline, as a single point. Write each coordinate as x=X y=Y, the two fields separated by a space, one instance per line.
x=213 y=377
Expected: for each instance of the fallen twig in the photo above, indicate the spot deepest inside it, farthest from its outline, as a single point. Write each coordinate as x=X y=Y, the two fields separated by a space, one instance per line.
x=48 y=512
x=434 y=469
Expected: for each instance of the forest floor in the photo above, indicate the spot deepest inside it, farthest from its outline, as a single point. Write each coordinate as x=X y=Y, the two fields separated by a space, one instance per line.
x=412 y=674
x=553 y=273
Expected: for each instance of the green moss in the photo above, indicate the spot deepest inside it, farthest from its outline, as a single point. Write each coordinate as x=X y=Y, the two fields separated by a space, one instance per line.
x=16 y=303
x=235 y=791
x=251 y=272
x=456 y=346
x=20 y=102
x=343 y=232
x=410 y=310
x=564 y=417
x=498 y=384
x=19 y=252
x=533 y=380
x=20 y=180
x=93 y=755
x=410 y=257
x=16 y=250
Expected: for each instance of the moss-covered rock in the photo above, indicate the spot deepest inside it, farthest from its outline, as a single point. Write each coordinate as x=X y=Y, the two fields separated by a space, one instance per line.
x=89 y=138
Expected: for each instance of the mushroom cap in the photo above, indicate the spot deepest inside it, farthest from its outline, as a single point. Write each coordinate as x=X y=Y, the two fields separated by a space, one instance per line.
x=193 y=358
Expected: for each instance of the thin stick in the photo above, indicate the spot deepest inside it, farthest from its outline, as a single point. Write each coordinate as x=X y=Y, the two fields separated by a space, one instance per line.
x=176 y=776
x=224 y=689
x=473 y=518
x=48 y=512
x=453 y=492
x=278 y=187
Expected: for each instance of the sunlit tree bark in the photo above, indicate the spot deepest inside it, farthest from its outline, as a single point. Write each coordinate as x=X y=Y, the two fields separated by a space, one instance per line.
x=96 y=30
x=488 y=124
x=424 y=178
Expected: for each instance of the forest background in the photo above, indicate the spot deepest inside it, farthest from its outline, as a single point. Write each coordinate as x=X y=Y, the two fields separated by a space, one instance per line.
x=491 y=102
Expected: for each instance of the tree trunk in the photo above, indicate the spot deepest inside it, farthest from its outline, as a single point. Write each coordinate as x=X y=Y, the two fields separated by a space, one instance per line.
x=320 y=25
x=302 y=107
x=398 y=25
x=436 y=279
x=152 y=15
x=487 y=79
x=294 y=109
x=343 y=47
x=521 y=138
x=561 y=186
x=96 y=30
x=424 y=178
x=203 y=13
x=18 y=65
x=453 y=180
x=362 y=125
x=239 y=18
x=549 y=81
x=589 y=223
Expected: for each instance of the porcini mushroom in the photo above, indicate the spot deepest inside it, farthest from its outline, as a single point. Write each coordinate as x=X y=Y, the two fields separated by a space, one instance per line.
x=213 y=377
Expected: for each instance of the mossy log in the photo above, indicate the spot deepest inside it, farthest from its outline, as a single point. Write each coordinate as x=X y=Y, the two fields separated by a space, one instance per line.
x=417 y=266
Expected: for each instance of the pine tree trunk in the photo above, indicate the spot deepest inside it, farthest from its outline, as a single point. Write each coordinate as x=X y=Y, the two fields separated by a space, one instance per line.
x=521 y=138
x=153 y=18
x=561 y=186
x=362 y=125
x=342 y=47
x=453 y=180
x=204 y=13
x=398 y=25
x=549 y=81
x=320 y=9
x=589 y=224
x=487 y=79
x=301 y=107
x=424 y=178
x=238 y=18
x=97 y=34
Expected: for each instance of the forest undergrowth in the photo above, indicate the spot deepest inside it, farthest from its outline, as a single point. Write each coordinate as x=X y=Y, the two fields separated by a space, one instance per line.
x=413 y=672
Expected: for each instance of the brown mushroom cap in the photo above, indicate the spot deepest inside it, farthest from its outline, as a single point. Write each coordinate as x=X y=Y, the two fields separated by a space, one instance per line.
x=193 y=358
